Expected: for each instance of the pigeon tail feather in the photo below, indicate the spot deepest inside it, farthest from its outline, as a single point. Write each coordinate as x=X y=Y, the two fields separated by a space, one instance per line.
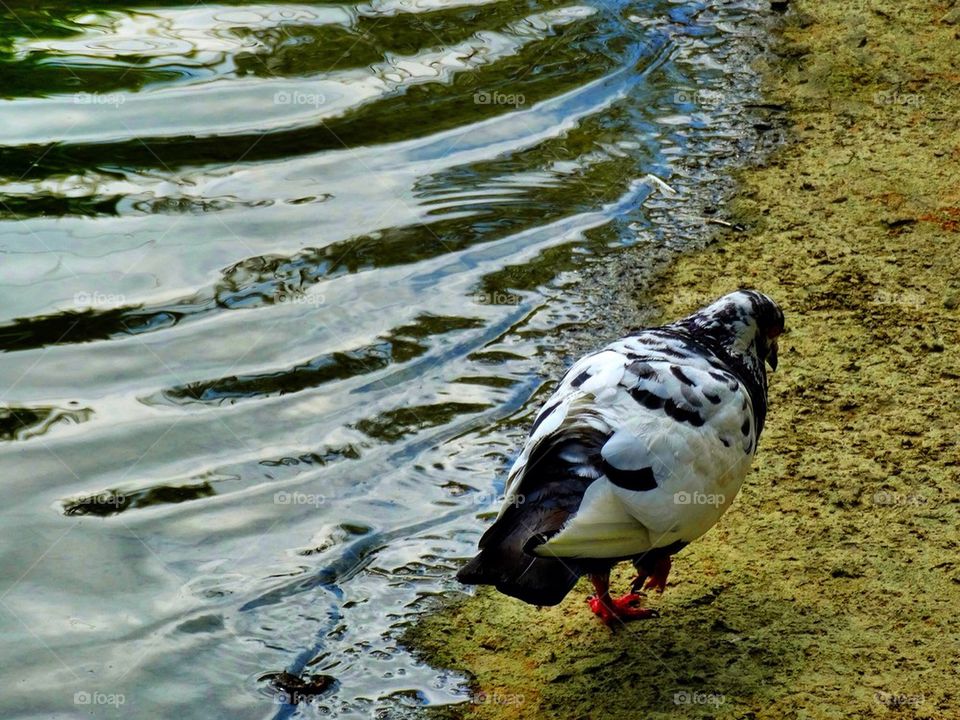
x=505 y=563
x=548 y=495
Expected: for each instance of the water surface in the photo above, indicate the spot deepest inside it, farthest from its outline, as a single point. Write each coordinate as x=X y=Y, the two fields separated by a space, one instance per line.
x=277 y=284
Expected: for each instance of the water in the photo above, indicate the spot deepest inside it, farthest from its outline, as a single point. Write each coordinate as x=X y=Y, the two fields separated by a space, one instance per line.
x=277 y=287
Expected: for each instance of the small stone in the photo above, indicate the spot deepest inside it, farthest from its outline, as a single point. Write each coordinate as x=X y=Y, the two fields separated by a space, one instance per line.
x=840 y=572
x=892 y=222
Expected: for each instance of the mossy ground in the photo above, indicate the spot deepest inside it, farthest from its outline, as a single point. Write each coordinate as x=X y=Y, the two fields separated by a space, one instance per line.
x=831 y=589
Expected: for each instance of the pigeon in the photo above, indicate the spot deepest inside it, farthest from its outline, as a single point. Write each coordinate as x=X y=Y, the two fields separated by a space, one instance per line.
x=638 y=452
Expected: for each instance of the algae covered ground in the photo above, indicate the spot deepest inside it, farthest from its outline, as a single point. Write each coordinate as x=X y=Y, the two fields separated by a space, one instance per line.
x=831 y=589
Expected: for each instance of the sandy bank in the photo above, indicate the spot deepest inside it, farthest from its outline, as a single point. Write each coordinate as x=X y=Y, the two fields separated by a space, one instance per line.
x=831 y=589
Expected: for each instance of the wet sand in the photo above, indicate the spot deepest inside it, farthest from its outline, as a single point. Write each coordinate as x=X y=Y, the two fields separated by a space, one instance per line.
x=831 y=587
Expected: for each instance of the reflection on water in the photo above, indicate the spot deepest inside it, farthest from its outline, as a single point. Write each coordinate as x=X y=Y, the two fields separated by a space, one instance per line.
x=277 y=282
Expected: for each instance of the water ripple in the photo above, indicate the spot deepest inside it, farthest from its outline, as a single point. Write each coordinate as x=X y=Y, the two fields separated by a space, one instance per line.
x=277 y=284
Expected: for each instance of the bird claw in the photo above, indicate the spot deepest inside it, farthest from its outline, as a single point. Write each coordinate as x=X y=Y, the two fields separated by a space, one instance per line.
x=624 y=609
x=653 y=577
x=657 y=583
x=648 y=583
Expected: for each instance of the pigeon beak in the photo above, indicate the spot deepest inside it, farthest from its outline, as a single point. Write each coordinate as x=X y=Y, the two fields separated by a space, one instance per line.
x=772 y=355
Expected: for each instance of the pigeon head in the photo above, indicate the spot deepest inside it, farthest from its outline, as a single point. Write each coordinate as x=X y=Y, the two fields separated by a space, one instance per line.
x=745 y=324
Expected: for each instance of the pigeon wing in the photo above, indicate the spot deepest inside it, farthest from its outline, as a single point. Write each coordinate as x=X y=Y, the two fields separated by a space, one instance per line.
x=654 y=449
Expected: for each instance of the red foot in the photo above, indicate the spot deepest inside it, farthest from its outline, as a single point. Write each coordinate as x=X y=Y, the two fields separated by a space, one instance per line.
x=624 y=609
x=657 y=578
x=657 y=582
x=621 y=609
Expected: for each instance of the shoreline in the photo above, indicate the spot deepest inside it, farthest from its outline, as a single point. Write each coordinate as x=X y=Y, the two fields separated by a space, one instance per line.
x=830 y=588
x=744 y=133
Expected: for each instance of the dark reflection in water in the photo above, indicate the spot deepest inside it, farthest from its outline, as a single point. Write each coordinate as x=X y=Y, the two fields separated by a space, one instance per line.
x=399 y=346
x=396 y=424
x=277 y=282
x=21 y=423
x=113 y=501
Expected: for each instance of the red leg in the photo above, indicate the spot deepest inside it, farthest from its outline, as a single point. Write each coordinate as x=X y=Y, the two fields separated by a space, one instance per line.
x=610 y=609
x=658 y=578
